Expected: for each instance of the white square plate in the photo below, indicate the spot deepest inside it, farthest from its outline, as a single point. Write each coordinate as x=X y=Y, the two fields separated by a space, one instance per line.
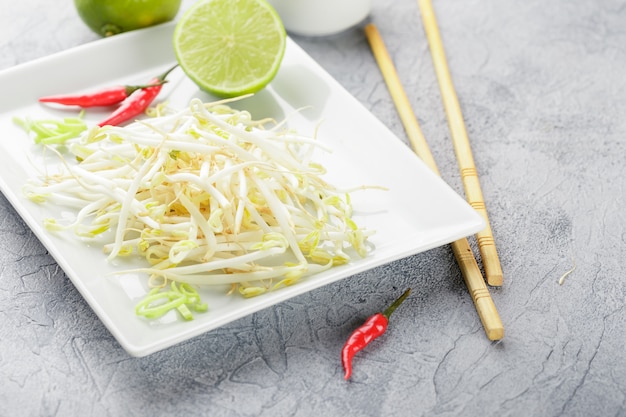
x=417 y=212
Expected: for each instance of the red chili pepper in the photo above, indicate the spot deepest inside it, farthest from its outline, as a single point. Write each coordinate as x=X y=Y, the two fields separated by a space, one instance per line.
x=137 y=102
x=373 y=327
x=105 y=97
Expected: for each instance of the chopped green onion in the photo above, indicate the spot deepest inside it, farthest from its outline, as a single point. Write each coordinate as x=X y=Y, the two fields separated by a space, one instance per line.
x=160 y=301
x=53 y=132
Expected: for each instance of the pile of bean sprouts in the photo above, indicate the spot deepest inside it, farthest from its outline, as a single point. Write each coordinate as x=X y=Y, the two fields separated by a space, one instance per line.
x=208 y=196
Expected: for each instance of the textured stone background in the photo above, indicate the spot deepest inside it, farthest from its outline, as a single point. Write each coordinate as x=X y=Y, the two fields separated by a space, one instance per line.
x=542 y=89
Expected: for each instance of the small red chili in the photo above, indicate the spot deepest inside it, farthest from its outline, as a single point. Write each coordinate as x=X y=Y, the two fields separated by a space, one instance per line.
x=105 y=97
x=373 y=327
x=137 y=102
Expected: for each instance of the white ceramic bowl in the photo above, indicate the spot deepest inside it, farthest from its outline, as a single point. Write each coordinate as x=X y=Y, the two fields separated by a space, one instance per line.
x=321 y=17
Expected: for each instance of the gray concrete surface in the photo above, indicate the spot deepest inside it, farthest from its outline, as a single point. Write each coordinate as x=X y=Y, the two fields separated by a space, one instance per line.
x=542 y=86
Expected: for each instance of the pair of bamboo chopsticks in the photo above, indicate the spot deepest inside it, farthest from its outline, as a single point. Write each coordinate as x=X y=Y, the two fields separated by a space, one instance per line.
x=462 y=251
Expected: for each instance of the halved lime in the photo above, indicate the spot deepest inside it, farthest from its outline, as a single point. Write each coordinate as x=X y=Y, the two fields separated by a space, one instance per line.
x=230 y=47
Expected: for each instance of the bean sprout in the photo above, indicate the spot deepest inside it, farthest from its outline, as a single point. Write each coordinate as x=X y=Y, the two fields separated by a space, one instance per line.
x=207 y=196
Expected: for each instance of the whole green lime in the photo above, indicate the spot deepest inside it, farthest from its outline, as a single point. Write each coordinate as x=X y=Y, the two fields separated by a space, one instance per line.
x=110 y=17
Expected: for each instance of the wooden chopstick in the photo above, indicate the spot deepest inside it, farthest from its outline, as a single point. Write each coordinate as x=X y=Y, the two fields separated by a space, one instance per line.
x=463 y=253
x=465 y=159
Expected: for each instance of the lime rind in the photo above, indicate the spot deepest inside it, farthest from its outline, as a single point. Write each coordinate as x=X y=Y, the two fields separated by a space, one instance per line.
x=230 y=47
